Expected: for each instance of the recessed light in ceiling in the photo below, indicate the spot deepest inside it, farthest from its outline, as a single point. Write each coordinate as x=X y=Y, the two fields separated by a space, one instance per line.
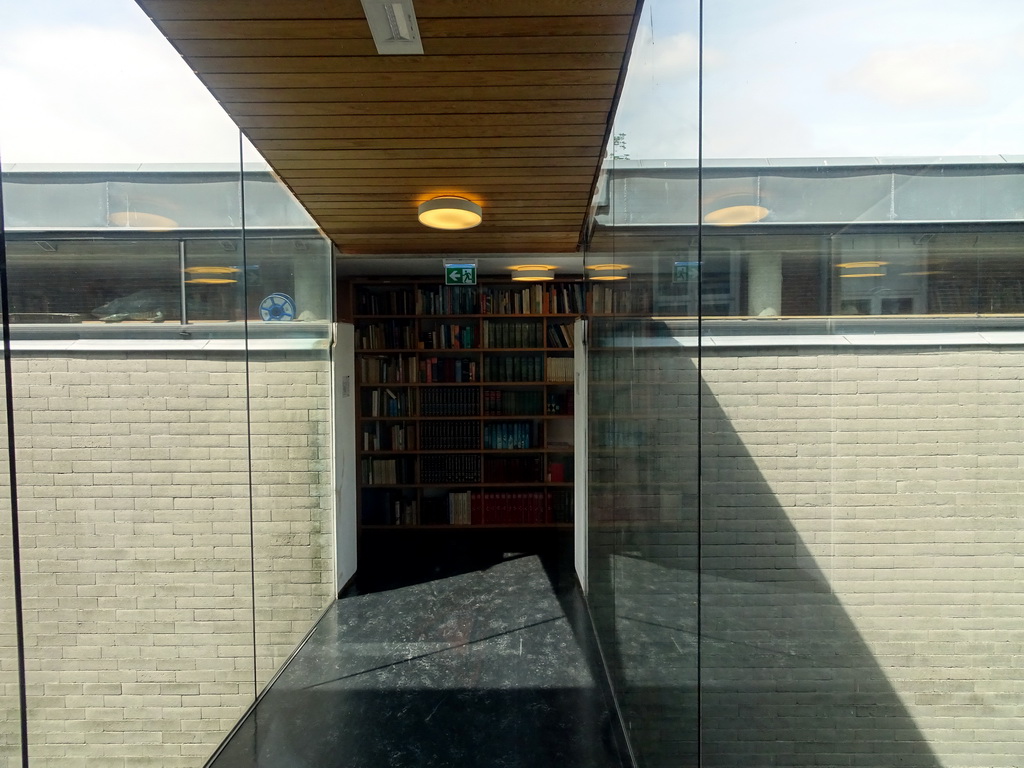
x=393 y=26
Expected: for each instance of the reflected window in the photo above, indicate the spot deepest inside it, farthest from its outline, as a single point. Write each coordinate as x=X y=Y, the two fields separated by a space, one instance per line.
x=93 y=281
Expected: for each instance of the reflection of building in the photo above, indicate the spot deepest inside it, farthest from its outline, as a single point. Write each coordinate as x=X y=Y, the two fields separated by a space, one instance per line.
x=162 y=244
x=831 y=237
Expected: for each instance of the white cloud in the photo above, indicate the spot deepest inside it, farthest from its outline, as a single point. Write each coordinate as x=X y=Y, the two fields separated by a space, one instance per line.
x=90 y=94
x=923 y=76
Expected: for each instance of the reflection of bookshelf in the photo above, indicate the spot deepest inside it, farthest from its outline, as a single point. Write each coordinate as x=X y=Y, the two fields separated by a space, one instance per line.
x=465 y=403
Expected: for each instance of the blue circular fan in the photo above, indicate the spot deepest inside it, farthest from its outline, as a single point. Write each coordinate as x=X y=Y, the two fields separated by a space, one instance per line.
x=277 y=306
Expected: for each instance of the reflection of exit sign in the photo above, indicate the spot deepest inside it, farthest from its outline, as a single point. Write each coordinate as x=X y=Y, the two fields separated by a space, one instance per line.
x=684 y=271
x=460 y=274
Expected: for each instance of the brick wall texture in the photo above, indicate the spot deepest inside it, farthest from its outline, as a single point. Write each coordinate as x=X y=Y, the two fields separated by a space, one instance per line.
x=159 y=593
x=857 y=591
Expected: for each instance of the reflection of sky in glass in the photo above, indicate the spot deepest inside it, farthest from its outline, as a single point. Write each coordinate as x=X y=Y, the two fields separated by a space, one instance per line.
x=96 y=82
x=805 y=78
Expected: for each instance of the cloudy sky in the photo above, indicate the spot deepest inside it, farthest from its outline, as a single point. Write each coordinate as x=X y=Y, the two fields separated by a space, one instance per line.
x=95 y=82
x=828 y=78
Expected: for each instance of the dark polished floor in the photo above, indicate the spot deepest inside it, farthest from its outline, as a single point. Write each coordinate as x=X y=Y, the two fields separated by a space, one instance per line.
x=463 y=656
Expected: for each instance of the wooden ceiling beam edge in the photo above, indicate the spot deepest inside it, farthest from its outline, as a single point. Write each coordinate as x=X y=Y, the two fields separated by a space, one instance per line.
x=429 y=143
x=427 y=80
x=456 y=108
x=468 y=94
x=356 y=29
x=462 y=121
x=352 y=46
x=587 y=222
x=327 y=65
x=471 y=155
x=355 y=136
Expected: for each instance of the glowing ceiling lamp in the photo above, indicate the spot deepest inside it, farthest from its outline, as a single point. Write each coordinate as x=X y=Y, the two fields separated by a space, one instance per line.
x=533 y=272
x=735 y=215
x=450 y=213
x=608 y=272
x=211 y=275
x=141 y=220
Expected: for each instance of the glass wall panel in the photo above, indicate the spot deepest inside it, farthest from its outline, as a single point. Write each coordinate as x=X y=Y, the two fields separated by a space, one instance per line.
x=644 y=394
x=826 y=327
x=10 y=699
x=130 y=417
x=63 y=281
x=288 y=305
x=133 y=491
x=835 y=456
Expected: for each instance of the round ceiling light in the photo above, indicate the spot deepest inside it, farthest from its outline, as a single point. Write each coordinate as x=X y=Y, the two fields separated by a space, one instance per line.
x=141 y=220
x=530 y=272
x=608 y=271
x=734 y=215
x=450 y=213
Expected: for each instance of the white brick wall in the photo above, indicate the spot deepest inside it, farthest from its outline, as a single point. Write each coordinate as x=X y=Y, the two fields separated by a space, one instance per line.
x=862 y=551
x=135 y=531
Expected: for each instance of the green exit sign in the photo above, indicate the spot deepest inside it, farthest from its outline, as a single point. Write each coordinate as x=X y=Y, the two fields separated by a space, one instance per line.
x=460 y=274
x=685 y=271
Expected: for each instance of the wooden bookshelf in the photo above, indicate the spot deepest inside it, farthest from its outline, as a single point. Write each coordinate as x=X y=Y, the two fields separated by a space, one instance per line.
x=465 y=403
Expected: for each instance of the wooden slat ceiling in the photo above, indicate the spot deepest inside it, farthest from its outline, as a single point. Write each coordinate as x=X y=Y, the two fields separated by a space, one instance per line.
x=509 y=106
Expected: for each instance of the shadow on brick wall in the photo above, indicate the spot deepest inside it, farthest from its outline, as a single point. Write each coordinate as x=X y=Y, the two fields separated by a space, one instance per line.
x=783 y=675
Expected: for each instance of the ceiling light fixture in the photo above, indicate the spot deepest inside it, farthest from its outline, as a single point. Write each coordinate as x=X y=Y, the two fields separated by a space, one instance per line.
x=862 y=264
x=393 y=26
x=141 y=220
x=735 y=215
x=212 y=270
x=533 y=272
x=450 y=213
x=609 y=272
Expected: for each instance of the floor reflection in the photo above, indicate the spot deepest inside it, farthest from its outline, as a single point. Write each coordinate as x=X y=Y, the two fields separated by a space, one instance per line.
x=487 y=667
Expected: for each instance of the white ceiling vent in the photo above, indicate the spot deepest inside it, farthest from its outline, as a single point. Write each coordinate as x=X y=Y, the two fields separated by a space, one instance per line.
x=393 y=26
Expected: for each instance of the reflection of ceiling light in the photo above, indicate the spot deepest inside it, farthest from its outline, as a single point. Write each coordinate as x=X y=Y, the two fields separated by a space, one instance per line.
x=866 y=274
x=450 y=213
x=862 y=264
x=609 y=272
x=734 y=215
x=530 y=272
x=211 y=281
x=212 y=270
x=532 y=275
x=141 y=220
x=393 y=26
